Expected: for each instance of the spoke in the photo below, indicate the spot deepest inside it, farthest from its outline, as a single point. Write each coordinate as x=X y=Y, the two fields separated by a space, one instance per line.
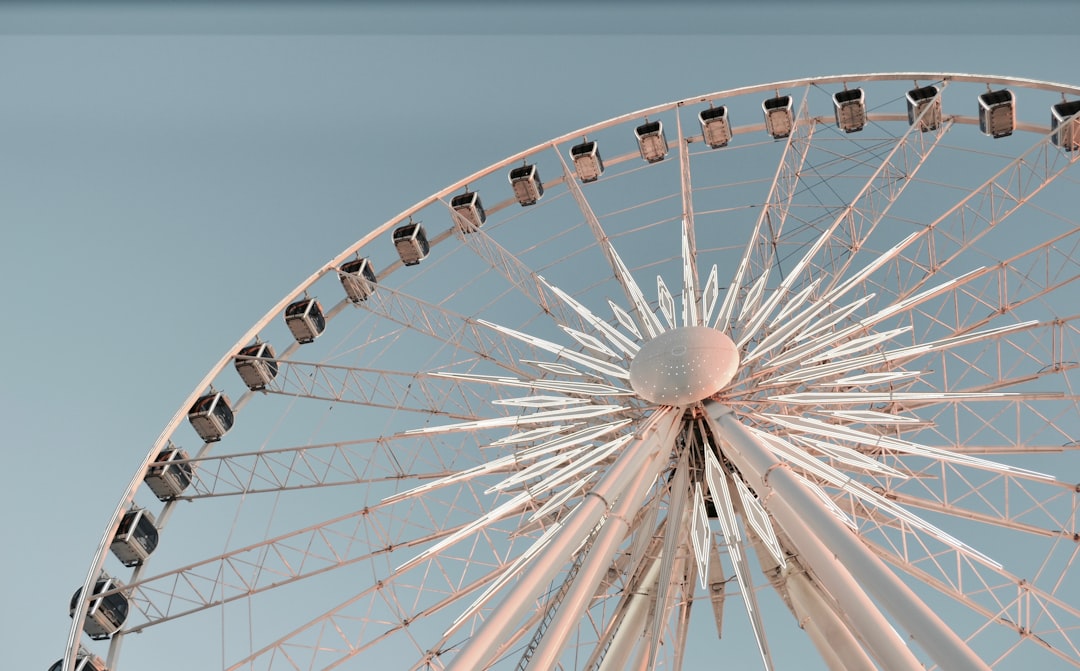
x=515 y=273
x=943 y=240
x=689 y=244
x=424 y=393
x=445 y=326
x=770 y=223
x=1002 y=598
x=622 y=274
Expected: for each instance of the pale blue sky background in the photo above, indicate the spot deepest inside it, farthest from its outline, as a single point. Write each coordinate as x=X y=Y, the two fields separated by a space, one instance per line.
x=169 y=173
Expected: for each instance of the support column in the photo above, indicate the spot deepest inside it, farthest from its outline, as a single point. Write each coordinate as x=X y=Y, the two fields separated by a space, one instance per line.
x=843 y=563
x=830 y=635
x=504 y=620
x=629 y=634
x=596 y=564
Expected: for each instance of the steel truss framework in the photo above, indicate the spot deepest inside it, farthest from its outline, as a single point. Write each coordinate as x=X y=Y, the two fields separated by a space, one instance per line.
x=460 y=474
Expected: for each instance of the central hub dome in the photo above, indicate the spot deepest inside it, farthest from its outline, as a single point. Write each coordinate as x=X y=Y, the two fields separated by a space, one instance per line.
x=684 y=365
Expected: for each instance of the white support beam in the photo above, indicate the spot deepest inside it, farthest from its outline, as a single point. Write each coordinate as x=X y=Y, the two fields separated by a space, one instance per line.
x=833 y=639
x=843 y=563
x=601 y=553
x=505 y=618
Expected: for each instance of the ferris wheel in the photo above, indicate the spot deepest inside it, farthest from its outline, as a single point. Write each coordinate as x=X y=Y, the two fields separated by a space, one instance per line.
x=774 y=372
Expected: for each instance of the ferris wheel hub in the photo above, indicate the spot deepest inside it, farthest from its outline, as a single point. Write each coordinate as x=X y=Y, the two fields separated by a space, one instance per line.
x=684 y=365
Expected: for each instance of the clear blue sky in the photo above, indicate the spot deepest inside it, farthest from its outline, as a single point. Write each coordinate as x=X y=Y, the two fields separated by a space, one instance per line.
x=167 y=173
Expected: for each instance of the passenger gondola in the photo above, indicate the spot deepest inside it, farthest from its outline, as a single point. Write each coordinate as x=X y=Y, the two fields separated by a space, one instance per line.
x=135 y=538
x=305 y=320
x=1066 y=130
x=256 y=365
x=104 y=614
x=525 y=181
x=849 y=106
x=358 y=279
x=411 y=243
x=470 y=211
x=211 y=416
x=715 y=126
x=84 y=661
x=779 y=119
x=652 y=143
x=997 y=113
x=587 y=162
x=166 y=477
x=920 y=99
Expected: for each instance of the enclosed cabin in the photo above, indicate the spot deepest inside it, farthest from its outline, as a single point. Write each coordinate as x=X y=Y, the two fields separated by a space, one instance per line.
x=587 y=162
x=715 y=126
x=256 y=365
x=305 y=320
x=470 y=215
x=652 y=143
x=135 y=538
x=849 y=106
x=411 y=243
x=104 y=614
x=84 y=661
x=997 y=113
x=1066 y=125
x=525 y=181
x=358 y=279
x=924 y=108
x=170 y=474
x=211 y=416
x=779 y=119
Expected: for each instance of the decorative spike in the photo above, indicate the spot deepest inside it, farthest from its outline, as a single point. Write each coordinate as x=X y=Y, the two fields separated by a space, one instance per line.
x=717 y=588
x=557 y=368
x=566 y=386
x=845 y=483
x=584 y=412
x=625 y=319
x=575 y=438
x=690 y=291
x=710 y=294
x=795 y=303
x=759 y=521
x=871 y=417
x=645 y=314
x=667 y=302
x=589 y=362
x=716 y=478
x=562 y=497
x=533 y=434
x=700 y=535
x=753 y=297
x=870 y=379
x=540 y=401
x=589 y=342
x=617 y=339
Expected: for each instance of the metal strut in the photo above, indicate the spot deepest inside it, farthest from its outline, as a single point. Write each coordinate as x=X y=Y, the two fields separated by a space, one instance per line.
x=553 y=605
